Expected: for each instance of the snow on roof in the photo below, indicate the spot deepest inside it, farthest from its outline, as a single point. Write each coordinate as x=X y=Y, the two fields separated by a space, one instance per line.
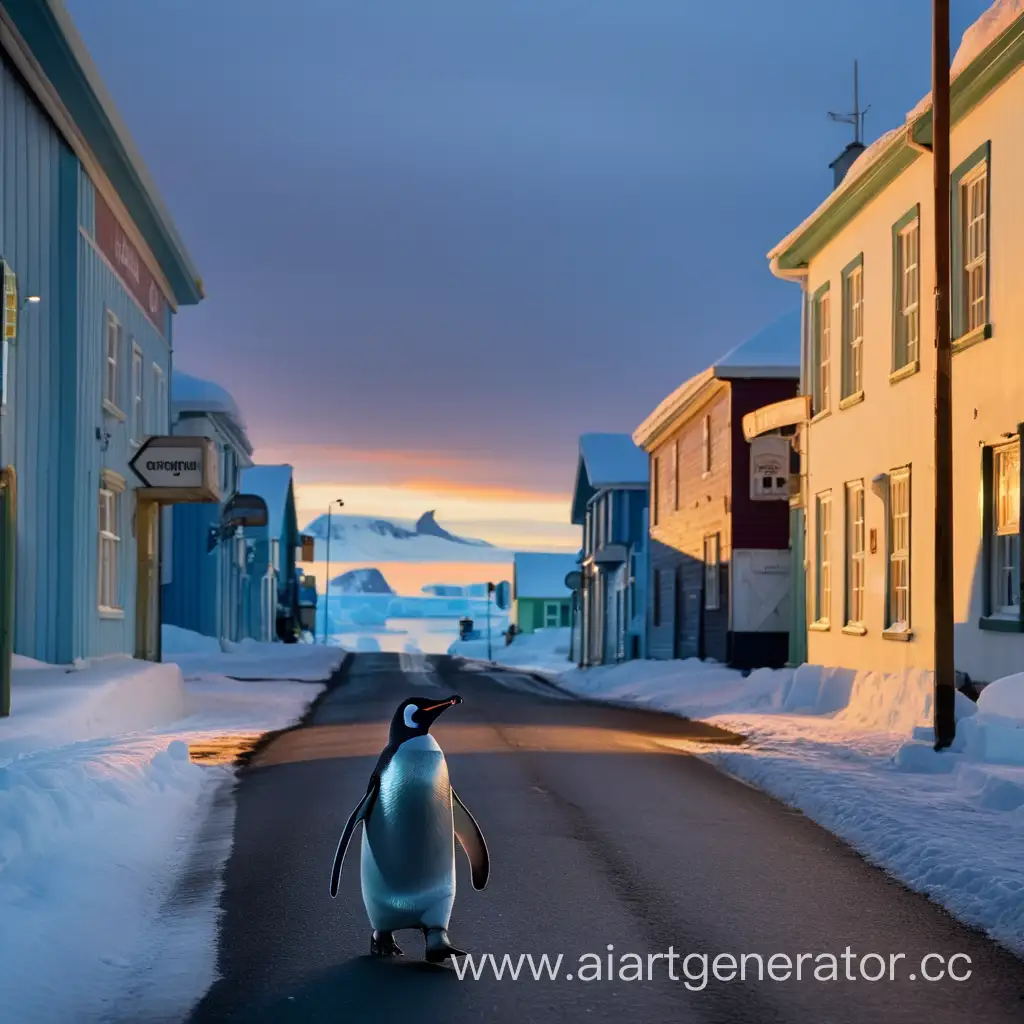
x=981 y=34
x=858 y=168
x=542 y=574
x=613 y=459
x=992 y=24
x=272 y=484
x=773 y=352
x=194 y=394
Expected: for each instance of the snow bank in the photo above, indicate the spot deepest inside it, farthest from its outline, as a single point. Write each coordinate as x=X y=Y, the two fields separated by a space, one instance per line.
x=95 y=836
x=52 y=704
x=854 y=752
x=547 y=650
x=199 y=656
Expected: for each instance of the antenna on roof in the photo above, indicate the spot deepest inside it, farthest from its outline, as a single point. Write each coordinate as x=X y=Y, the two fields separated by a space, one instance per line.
x=856 y=116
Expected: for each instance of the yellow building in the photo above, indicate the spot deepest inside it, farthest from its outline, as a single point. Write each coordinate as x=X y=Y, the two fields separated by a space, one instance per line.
x=865 y=262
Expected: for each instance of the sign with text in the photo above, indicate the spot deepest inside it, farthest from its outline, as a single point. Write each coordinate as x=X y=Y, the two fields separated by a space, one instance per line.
x=769 y=468
x=177 y=469
x=125 y=259
x=245 y=510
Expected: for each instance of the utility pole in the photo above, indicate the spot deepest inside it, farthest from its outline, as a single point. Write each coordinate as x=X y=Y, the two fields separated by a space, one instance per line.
x=327 y=579
x=490 y=590
x=945 y=665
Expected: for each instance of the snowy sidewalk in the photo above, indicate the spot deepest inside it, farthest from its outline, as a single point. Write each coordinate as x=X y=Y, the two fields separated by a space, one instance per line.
x=100 y=809
x=853 y=752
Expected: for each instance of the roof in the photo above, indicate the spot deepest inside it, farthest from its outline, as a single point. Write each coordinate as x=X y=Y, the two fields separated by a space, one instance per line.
x=613 y=460
x=990 y=50
x=194 y=394
x=542 y=575
x=58 y=50
x=772 y=353
x=274 y=485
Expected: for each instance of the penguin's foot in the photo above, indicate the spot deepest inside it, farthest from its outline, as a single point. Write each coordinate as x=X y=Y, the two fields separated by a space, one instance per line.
x=383 y=944
x=439 y=948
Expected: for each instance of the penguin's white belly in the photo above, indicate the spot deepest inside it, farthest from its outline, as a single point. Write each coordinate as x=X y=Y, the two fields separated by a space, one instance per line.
x=407 y=867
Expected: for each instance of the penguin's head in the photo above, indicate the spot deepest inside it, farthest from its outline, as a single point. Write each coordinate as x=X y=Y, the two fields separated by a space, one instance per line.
x=415 y=716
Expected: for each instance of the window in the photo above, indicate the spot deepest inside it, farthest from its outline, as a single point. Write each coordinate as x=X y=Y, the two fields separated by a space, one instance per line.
x=712 y=573
x=975 y=228
x=552 y=614
x=609 y=524
x=907 y=290
x=855 y=553
x=705 y=444
x=138 y=423
x=113 y=363
x=109 y=597
x=898 y=601
x=564 y=618
x=656 y=597
x=970 y=237
x=823 y=591
x=1006 y=530
x=655 y=490
x=160 y=424
x=676 y=475
x=821 y=354
x=853 y=328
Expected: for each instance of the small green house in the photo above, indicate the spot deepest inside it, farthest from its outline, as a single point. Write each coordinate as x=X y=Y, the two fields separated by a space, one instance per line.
x=540 y=598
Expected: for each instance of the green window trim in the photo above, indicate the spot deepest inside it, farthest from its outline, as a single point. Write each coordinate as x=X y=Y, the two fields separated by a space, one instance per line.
x=901 y=359
x=846 y=385
x=990 y=620
x=823 y=290
x=958 y=317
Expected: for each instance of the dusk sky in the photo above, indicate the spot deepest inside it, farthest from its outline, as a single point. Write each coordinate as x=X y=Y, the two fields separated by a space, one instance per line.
x=442 y=238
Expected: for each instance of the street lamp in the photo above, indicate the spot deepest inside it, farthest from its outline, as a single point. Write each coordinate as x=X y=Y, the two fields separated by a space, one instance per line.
x=327 y=579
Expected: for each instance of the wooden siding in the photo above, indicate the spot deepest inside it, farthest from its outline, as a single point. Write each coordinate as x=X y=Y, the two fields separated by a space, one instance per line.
x=99 y=290
x=755 y=524
x=677 y=542
x=30 y=162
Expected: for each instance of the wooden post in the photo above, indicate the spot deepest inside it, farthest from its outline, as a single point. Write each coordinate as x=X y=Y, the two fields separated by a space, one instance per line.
x=945 y=671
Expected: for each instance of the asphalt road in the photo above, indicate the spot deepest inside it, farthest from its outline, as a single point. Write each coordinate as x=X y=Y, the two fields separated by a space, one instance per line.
x=603 y=830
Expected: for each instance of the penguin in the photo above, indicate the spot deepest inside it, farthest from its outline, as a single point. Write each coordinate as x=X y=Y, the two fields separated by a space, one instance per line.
x=411 y=818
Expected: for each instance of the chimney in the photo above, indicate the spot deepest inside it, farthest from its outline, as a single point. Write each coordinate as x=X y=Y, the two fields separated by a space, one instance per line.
x=842 y=163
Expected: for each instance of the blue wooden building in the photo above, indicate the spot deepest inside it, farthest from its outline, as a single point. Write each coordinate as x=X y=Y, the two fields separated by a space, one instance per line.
x=87 y=366
x=610 y=504
x=203 y=579
x=272 y=576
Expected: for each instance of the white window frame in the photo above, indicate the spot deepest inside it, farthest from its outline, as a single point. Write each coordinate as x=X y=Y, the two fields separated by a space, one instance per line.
x=712 y=572
x=1006 y=529
x=856 y=563
x=552 y=611
x=705 y=444
x=108 y=565
x=112 y=344
x=158 y=407
x=853 y=332
x=823 y=558
x=137 y=411
x=908 y=301
x=974 y=228
x=898 y=546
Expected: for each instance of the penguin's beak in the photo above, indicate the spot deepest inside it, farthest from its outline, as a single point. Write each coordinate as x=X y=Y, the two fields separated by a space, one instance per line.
x=432 y=712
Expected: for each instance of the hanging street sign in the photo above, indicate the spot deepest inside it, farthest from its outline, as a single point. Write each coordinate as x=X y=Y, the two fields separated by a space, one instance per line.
x=177 y=469
x=245 y=510
x=573 y=580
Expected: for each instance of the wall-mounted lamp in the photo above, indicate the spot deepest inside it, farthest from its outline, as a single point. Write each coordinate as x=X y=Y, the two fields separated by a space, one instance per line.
x=30 y=300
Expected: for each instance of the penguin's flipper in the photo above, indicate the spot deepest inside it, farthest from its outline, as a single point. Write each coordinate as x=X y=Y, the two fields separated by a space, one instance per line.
x=361 y=813
x=471 y=839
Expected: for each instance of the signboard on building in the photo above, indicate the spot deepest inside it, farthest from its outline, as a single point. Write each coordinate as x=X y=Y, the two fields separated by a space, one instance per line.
x=769 y=468
x=308 y=548
x=245 y=510
x=128 y=263
x=791 y=412
x=177 y=469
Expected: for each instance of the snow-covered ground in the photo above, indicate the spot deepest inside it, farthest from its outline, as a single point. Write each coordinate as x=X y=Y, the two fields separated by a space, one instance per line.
x=101 y=805
x=852 y=751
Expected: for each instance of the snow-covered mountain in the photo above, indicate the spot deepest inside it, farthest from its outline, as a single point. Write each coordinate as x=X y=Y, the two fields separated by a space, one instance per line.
x=370 y=540
x=361 y=581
